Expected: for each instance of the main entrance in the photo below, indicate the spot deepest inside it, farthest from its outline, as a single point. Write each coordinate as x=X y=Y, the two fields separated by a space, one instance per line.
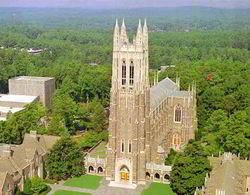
x=124 y=173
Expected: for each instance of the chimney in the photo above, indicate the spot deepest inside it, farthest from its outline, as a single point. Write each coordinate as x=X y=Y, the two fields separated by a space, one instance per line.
x=34 y=135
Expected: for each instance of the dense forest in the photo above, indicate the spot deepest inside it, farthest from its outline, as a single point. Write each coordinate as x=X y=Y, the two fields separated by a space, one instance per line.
x=212 y=51
x=160 y=19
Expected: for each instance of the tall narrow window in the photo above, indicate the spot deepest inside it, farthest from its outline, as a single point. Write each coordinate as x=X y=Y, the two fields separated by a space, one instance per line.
x=176 y=140
x=129 y=146
x=122 y=145
x=123 y=72
x=131 y=73
x=177 y=113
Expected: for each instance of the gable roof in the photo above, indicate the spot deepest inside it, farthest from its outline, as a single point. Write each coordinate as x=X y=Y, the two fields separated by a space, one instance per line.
x=165 y=88
x=42 y=143
x=228 y=174
x=21 y=155
x=7 y=164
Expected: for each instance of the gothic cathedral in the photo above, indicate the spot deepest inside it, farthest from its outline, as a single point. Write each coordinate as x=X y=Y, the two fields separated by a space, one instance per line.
x=145 y=121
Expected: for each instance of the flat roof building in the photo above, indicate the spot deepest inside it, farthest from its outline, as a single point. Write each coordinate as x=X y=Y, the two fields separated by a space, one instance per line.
x=24 y=90
x=13 y=103
x=43 y=87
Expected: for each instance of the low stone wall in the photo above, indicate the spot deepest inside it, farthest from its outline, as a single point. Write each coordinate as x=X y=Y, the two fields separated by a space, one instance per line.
x=158 y=173
x=95 y=166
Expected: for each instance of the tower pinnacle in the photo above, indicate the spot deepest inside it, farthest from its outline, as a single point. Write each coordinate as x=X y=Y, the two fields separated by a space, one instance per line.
x=116 y=35
x=116 y=24
x=139 y=29
x=124 y=36
x=145 y=27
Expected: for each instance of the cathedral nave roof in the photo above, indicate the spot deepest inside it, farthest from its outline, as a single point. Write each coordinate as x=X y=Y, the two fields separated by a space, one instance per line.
x=165 y=88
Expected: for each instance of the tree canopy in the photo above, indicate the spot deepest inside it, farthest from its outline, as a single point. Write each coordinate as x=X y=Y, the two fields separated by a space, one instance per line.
x=65 y=160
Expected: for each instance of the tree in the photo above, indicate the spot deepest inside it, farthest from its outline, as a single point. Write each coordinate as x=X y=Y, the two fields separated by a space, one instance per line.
x=65 y=107
x=34 y=186
x=56 y=126
x=65 y=160
x=90 y=138
x=189 y=170
x=217 y=121
x=171 y=157
x=92 y=116
x=37 y=185
x=13 y=130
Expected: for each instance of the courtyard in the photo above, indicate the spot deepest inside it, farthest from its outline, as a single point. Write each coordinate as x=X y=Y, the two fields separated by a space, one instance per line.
x=84 y=181
x=96 y=185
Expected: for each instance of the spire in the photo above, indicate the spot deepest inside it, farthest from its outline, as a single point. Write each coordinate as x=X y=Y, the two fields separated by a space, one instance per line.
x=116 y=35
x=145 y=34
x=139 y=34
x=145 y=27
x=139 y=29
x=123 y=23
x=116 y=29
x=116 y=24
x=124 y=36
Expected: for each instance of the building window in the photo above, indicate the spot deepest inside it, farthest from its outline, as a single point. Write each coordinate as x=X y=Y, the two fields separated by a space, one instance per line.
x=129 y=146
x=176 y=141
x=122 y=145
x=131 y=73
x=123 y=72
x=177 y=113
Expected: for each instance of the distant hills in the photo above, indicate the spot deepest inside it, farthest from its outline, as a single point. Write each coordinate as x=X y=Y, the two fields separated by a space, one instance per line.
x=159 y=19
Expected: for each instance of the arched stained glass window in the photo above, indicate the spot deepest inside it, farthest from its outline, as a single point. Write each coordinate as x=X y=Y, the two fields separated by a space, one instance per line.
x=178 y=113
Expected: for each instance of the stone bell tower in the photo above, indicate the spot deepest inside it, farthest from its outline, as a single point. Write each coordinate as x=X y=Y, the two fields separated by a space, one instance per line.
x=129 y=108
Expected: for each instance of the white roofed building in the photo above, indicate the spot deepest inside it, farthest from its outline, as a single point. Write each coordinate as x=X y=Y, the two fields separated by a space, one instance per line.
x=10 y=104
x=24 y=90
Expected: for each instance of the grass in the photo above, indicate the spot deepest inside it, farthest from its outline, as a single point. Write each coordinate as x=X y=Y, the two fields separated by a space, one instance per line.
x=84 y=181
x=64 y=192
x=158 y=189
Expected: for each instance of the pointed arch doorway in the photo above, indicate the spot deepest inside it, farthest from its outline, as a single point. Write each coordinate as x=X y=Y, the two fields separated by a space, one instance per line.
x=124 y=173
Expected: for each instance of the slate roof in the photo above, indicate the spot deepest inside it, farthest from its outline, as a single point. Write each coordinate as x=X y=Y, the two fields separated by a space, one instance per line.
x=22 y=154
x=165 y=88
x=228 y=175
x=8 y=165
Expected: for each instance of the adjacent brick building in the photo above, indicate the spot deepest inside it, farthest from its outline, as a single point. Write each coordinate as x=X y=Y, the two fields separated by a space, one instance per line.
x=229 y=176
x=19 y=162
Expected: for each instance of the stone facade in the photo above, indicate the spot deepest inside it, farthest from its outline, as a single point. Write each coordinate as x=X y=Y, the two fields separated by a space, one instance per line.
x=43 y=87
x=145 y=122
x=19 y=162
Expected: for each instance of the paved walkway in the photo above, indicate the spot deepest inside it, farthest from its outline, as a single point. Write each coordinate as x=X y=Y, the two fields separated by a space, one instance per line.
x=103 y=189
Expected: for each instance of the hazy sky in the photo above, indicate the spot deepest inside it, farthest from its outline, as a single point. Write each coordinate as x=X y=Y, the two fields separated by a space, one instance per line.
x=99 y=4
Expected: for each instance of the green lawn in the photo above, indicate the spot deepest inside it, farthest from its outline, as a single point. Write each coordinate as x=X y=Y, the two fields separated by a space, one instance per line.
x=64 y=192
x=158 y=189
x=84 y=181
